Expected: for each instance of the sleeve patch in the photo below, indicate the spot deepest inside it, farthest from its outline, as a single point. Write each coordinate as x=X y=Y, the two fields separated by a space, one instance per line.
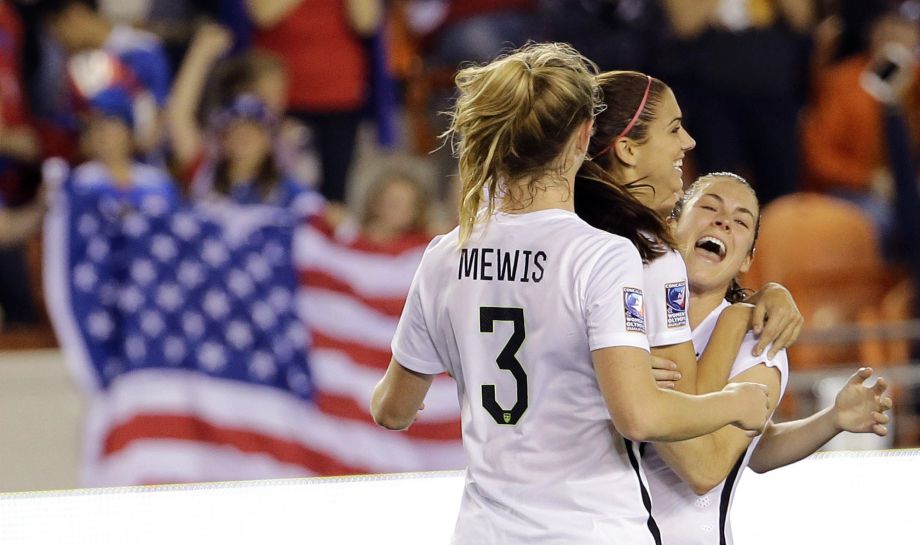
x=634 y=309
x=676 y=303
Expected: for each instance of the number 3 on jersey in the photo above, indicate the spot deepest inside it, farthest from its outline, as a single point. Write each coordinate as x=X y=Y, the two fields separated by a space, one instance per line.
x=507 y=361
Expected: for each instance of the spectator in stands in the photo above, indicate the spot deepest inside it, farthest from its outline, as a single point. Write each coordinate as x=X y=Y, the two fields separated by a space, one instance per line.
x=18 y=141
x=745 y=68
x=263 y=75
x=476 y=30
x=615 y=35
x=19 y=151
x=366 y=264
x=78 y=26
x=241 y=164
x=856 y=18
x=320 y=42
x=254 y=72
x=173 y=21
x=18 y=224
x=843 y=135
x=396 y=209
x=106 y=141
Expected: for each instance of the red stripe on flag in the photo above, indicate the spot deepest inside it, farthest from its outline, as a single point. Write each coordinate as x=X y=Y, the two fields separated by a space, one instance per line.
x=189 y=428
x=345 y=407
x=359 y=354
x=407 y=242
x=388 y=306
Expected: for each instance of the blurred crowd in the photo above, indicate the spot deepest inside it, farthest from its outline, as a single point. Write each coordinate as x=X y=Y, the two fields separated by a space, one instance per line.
x=261 y=102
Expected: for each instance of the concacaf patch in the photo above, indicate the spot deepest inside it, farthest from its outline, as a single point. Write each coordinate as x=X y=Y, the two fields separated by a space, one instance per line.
x=634 y=309
x=676 y=303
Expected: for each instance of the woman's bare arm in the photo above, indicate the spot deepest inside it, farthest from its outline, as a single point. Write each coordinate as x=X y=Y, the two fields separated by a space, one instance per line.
x=364 y=16
x=689 y=19
x=209 y=44
x=399 y=396
x=857 y=409
x=268 y=13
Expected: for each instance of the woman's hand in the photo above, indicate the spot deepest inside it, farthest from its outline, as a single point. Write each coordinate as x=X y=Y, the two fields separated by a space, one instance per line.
x=212 y=40
x=665 y=372
x=776 y=320
x=860 y=408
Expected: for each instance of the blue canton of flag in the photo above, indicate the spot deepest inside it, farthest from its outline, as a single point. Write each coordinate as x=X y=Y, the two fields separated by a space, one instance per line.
x=155 y=283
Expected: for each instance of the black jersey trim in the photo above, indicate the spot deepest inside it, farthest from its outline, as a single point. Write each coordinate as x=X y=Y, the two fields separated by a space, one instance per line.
x=725 y=500
x=631 y=451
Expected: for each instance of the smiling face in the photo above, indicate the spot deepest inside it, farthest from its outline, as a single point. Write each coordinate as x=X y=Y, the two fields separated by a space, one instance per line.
x=716 y=232
x=659 y=159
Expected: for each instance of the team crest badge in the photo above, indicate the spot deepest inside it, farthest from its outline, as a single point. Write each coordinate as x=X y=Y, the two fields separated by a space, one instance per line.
x=634 y=309
x=676 y=303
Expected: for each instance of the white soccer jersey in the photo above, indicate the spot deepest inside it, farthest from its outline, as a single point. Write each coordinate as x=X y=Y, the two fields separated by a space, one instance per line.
x=683 y=517
x=513 y=316
x=667 y=299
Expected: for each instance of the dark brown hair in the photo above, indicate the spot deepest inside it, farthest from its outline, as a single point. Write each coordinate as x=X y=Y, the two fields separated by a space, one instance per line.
x=600 y=199
x=232 y=78
x=735 y=292
x=237 y=75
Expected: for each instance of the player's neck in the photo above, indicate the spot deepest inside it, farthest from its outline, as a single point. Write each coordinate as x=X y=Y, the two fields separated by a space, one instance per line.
x=702 y=303
x=542 y=196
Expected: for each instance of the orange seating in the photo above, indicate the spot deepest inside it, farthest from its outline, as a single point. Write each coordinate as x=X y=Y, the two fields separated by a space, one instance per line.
x=825 y=251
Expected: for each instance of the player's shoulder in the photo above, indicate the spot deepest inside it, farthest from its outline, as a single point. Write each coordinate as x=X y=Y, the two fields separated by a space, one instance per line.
x=603 y=241
x=441 y=250
x=747 y=360
x=667 y=264
x=446 y=241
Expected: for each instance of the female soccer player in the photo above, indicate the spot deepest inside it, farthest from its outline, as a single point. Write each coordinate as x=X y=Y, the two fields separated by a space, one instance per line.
x=539 y=318
x=629 y=189
x=716 y=227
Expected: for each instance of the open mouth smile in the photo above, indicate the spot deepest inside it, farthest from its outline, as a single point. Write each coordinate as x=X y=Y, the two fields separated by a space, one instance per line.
x=711 y=248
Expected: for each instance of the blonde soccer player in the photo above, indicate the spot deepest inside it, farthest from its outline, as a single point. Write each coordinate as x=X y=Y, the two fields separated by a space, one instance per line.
x=540 y=319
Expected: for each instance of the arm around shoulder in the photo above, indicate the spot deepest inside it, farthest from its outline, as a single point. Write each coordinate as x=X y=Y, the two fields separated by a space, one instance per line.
x=642 y=412
x=704 y=462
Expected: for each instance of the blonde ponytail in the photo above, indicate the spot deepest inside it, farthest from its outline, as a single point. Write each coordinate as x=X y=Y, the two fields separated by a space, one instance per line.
x=512 y=120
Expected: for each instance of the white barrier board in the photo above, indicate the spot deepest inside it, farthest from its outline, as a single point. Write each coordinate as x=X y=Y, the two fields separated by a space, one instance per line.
x=839 y=498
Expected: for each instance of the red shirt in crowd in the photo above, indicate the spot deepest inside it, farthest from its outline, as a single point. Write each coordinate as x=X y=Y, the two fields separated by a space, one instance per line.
x=326 y=62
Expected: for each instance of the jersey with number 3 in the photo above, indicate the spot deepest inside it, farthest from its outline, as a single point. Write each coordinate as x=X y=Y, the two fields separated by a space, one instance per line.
x=513 y=316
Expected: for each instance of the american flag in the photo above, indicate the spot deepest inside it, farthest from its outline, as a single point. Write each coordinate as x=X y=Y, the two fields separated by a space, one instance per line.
x=353 y=291
x=181 y=324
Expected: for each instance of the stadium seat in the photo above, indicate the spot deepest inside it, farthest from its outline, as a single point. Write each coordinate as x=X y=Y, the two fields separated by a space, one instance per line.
x=825 y=251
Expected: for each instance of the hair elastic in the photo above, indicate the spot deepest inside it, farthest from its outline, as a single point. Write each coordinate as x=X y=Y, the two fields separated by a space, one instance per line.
x=632 y=122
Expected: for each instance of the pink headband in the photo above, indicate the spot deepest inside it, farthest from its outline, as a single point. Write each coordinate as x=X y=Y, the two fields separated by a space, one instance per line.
x=635 y=117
